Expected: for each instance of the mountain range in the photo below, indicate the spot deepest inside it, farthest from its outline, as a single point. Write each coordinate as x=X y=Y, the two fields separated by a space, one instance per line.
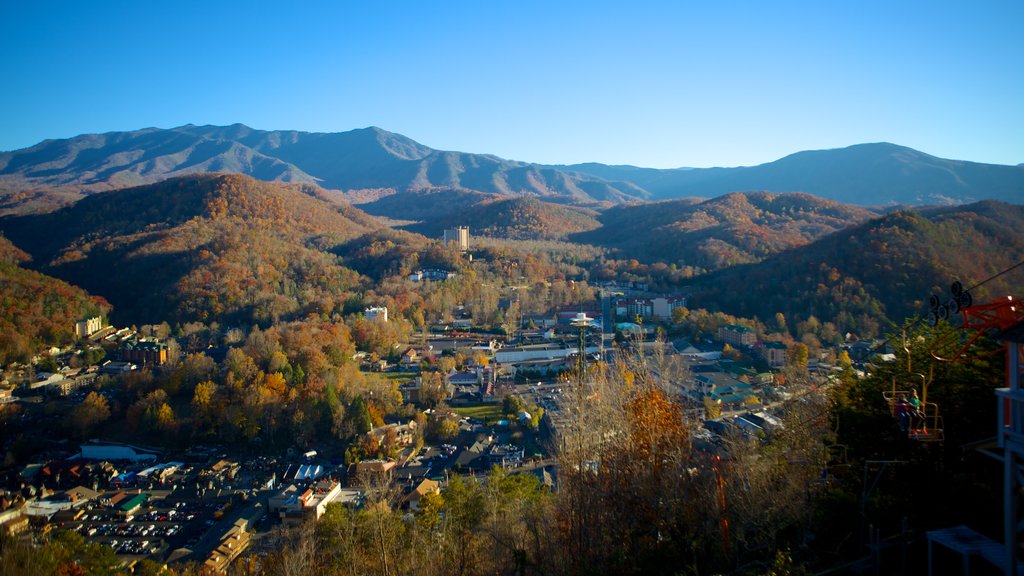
x=233 y=249
x=129 y=213
x=879 y=174
x=369 y=164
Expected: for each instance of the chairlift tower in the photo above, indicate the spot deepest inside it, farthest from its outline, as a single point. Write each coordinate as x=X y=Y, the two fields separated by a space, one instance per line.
x=1011 y=441
x=1003 y=319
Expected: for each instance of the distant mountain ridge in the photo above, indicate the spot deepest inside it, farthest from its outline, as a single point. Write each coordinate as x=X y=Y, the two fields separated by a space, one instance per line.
x=877 y=174
x=358 y=159
x=880 y=174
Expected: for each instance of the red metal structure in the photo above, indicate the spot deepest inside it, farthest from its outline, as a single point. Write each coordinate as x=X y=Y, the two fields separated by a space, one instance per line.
x=1003 y=320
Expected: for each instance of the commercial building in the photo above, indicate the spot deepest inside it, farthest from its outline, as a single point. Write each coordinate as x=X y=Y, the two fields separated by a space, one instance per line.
x=736 y=335
x=295 y=505
x=774 y=353
x=144 y=352
x=458 y=236
x=659 y=307
x=88 y=327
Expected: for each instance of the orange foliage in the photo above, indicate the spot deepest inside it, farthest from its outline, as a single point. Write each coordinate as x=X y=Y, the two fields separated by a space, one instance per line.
x=655 y=426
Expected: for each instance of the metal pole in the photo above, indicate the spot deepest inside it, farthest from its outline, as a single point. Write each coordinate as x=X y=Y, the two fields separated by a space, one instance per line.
x=1010 y=500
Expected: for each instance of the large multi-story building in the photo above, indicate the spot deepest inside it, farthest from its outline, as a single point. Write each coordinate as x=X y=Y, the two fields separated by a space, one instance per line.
x=659 y=307
x=773 y=352
x=88 y=327
x=736 y=335
x=147 y=352
x=458 y=236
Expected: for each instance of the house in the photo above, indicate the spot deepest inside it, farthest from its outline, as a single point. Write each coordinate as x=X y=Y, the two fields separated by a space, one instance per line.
x=226 y=469
x=422 y=489
x=376 y=313
x=410 y=359
x=405 y=434
x=541 y=321
x=472 y=458
x=14 y=526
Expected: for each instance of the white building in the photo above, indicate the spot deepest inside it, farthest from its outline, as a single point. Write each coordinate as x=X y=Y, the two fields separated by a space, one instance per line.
x=376 y=313
x=88 y=327
x=458 y=236
x=295 y=505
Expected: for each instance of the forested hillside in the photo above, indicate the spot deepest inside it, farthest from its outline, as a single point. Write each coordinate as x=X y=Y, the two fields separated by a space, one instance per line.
x=883 y=270
x=217 y=247
x=520 y=218
x=737 y=228
x=38 y=310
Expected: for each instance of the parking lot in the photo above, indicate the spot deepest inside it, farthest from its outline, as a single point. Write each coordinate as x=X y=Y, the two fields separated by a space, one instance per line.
x=152 y=532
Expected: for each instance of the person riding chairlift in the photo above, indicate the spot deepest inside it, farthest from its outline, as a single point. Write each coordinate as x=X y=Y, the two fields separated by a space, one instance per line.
x=916 y=414
x=902 y=410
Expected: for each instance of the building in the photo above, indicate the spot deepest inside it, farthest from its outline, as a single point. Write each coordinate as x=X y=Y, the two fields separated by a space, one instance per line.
x=88 y=327
x=458 y=236
x=115 y=368
x=774 y=353
x=132 y=505
x=234 y=542
x=112 y=451
x=372 y=471
x=431 y=274
x=376 y=313
x=723 y=388
x=296 y=505
x=736 y=335
x=658 y=307
x=425 y=487
x=505 y=455
x=144 y=352
x=404 y=434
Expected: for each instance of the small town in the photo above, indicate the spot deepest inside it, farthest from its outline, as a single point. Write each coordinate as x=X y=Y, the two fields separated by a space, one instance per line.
x=511 y=289
x=479 y=400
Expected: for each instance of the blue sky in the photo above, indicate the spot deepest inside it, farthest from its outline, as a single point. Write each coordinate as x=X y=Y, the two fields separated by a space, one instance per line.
x=660 y=84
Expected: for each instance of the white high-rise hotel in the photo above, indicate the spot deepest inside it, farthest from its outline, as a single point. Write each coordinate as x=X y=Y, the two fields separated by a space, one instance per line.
x=459 y=236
